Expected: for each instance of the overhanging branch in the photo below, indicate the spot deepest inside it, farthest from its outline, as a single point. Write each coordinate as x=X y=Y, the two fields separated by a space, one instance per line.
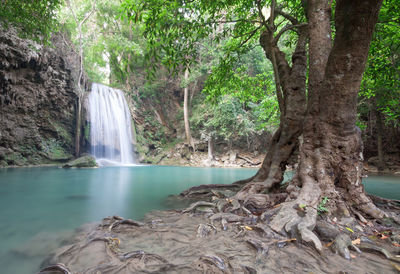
x=286 y=28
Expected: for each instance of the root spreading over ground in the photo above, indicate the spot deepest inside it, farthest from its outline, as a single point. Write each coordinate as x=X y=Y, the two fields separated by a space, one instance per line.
x=219 y=234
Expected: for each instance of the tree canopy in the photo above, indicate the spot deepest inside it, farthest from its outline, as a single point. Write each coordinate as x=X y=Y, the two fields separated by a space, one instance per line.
x=35 y=19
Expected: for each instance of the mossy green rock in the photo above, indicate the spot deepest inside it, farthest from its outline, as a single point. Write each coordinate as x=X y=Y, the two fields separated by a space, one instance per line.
x=85 y=161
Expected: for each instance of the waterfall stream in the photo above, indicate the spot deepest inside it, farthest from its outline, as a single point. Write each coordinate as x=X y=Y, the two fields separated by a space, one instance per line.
x=110 y=126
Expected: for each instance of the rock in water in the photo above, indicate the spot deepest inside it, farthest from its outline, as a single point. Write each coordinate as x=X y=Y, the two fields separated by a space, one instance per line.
x=85 y=161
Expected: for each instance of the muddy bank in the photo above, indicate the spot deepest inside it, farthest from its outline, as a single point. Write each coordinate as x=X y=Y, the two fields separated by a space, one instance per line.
x=201 y=239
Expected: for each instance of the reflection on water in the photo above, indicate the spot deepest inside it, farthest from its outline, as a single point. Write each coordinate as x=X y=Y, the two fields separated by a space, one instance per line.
x=383 y=186
x=40 y=207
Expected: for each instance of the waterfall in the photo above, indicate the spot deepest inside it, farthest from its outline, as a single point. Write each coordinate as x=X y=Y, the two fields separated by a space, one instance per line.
x=110 y=126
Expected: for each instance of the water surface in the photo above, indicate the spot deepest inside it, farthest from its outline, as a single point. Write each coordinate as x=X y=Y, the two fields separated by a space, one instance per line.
x=40 y=207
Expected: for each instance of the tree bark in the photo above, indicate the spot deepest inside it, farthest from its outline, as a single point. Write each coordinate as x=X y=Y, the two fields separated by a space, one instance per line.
x=186 y=110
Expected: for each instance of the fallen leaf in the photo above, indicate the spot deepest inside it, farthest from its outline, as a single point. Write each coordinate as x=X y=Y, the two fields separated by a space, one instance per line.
x=302 y=205
x=287 y=240
x=329 y=244
x=116 y=240
x=247 y=227
x=275 y=206
x=396 y=266
x=356 y=241
x=352 y=256
x=396 y=245
x=349 y=229
x=361 y=223
x=383 y=237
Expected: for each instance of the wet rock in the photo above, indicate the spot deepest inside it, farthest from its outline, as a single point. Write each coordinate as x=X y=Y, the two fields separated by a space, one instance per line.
x=85 y=161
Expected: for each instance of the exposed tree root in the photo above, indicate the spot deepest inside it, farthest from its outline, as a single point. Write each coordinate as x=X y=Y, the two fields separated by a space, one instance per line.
x=370 y=247
x=341 y=245
x=57 y=268
x=198 y=204
x=223 y=242
x=124 y=222
x=248 y=160
x=207 y=191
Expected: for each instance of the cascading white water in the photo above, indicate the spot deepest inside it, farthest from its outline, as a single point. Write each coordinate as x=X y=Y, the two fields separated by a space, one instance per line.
x=110 y=126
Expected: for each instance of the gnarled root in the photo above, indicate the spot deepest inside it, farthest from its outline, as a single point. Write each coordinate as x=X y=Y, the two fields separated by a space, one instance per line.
x=341 y=245
x=258 y=203
x=193 y=206
x=297 y=222
x=208 y=190
x=56 y=268
x=372 y=247
x=124 y=222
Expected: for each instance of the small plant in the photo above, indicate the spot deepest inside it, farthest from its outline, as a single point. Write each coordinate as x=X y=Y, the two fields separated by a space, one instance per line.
x=322 y=206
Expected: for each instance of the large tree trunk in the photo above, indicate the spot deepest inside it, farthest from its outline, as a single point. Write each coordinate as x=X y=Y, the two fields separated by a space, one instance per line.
x=331 y=150
x=292 y=105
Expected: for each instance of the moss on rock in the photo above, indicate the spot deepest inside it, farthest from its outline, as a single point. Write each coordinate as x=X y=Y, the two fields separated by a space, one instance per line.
x=84 y=161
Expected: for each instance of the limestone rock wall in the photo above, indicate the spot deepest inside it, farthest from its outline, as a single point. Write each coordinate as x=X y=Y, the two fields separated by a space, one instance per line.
x=37 y=100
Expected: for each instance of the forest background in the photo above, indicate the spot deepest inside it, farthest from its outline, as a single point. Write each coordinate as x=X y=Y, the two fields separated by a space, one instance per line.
x=222 y=102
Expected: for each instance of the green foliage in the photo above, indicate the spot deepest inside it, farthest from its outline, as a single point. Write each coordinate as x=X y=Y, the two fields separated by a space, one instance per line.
x=322 y=206
x=112 y=48
x=382 y=75
x=226 y=120
x=216 y=39
x=250 y=80
x=35 y=19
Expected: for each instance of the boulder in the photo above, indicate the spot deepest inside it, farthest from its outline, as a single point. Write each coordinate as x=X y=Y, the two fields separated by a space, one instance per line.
x=84 y=161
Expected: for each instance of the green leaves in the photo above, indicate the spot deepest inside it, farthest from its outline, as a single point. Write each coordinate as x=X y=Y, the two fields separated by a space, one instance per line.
x=35 y=19
x=322 y=206
x=382 y=75
x=226 y=120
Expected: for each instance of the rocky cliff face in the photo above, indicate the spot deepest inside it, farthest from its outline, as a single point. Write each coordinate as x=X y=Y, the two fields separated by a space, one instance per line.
x=37 y=100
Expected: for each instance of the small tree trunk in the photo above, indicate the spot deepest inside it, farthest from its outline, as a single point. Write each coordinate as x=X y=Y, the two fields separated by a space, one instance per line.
x=80 y=77
x=211 y=147
x=78 y=125
x=379 y=131
x=186 y=110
